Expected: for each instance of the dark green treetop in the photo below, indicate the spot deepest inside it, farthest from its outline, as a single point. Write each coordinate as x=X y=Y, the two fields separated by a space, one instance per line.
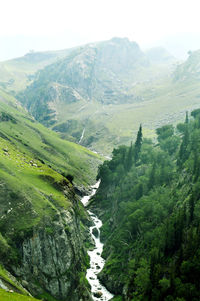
x=138 y=143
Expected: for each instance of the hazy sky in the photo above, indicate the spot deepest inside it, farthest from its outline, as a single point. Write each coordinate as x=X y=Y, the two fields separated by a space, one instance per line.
x=57 y=24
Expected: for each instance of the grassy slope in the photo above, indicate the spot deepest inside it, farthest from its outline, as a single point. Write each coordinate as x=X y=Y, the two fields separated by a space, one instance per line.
x=5 y=276
x=33 y=138
x=6 y=296
x=163 y=102
x=25 y=147
x=32 y=188
x=32 y=159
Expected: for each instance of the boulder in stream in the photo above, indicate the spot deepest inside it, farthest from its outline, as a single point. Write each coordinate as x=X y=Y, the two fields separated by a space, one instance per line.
x=98 y=294
x=95 y=232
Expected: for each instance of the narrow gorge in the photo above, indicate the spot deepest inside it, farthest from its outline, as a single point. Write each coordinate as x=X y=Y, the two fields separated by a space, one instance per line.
x=99 y=292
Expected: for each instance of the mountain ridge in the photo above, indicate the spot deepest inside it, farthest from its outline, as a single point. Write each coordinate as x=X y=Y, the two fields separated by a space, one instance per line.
x=86 y=83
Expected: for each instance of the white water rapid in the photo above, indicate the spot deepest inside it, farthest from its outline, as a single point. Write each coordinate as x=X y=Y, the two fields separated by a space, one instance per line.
x=99 y=292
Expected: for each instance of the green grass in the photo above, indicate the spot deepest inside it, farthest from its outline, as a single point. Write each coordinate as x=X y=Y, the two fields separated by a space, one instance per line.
x=34 y=162
x=35 y=185
x=32 y=159
x=37 y=141
x=5 y=276
x=7 y=296
x=163 y=101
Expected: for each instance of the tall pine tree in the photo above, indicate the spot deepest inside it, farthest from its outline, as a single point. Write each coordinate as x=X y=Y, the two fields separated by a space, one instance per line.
x=138 y=143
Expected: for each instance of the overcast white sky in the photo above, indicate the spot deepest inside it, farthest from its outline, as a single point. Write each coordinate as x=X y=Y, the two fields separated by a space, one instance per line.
x=57 y=24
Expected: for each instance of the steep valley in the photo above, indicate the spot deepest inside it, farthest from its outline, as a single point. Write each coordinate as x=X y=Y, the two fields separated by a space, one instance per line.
x=71 y=117
x=43 y=226
x=149 y=202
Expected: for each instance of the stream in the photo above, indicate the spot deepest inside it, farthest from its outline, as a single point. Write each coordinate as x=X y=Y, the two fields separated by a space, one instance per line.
x=99 y=292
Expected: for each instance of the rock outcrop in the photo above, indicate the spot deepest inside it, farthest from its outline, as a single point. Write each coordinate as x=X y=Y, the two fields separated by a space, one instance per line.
x=52 y=259
x=99 y=72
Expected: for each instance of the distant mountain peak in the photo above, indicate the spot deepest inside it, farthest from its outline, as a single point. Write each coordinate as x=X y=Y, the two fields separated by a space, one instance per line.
x=97 y=71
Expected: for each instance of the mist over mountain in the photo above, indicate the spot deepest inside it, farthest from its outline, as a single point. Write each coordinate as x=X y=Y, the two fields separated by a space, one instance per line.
x=58 y=111
x=79 y=90
x=160 y=55
x=94 y=72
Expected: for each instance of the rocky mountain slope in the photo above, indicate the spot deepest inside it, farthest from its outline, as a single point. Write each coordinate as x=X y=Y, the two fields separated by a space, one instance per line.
x=94 y=72
x=43 y=231
x=89 y=87
x=190 y=69
x=98 y=94
x=97 y=72
x=17 y=73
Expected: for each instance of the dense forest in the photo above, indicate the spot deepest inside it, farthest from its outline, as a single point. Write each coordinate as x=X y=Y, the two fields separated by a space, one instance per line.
x=149 y=201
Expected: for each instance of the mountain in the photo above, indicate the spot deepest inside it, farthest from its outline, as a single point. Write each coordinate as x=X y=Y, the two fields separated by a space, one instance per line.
x=98 y=94
x=190 y=69
x=17 y=73
x=91 y=86
x=94 y=72
x=148 y=198
x=149 y=201
x=43 y=226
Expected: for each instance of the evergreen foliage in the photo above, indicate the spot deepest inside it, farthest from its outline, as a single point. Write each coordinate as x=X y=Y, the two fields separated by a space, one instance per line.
x=151 y=216
x=138 y=143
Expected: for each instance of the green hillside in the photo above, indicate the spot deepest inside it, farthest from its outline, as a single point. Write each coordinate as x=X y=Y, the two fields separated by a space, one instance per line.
x=149 y=203
x=38 y=200
x=5 y=296
x=97 y=96
x=30 y=137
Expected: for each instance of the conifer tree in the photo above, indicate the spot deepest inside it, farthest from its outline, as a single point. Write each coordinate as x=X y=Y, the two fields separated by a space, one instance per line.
x=186 y=118
x=138 y=143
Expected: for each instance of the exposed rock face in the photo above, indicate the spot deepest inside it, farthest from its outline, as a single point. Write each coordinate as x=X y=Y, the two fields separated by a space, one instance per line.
x=52 y=259
x=190 y=69
x=99 y=72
